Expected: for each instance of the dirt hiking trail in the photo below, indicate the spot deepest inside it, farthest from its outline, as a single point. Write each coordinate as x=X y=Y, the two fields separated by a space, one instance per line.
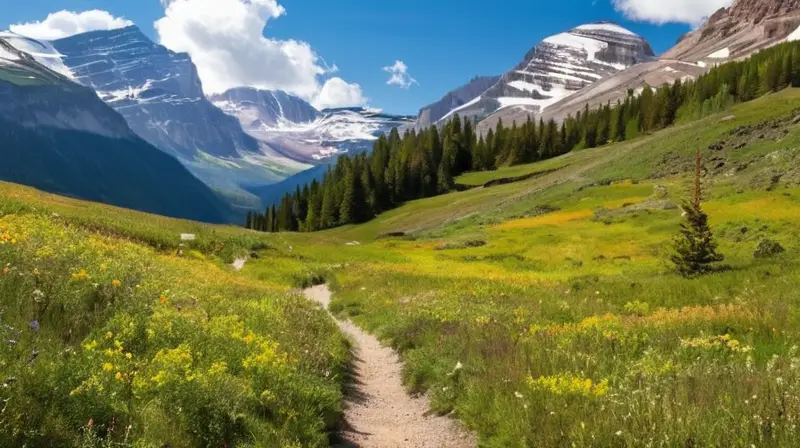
x=378 y=411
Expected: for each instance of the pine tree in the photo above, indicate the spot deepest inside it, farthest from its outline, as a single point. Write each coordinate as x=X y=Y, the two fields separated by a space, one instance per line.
x=328 y=214
x=249 y=221
x=444 y=182
x=695 y=249
x=348 y=210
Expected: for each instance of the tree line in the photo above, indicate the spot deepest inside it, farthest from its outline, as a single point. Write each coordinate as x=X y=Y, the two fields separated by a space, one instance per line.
x=422 y=164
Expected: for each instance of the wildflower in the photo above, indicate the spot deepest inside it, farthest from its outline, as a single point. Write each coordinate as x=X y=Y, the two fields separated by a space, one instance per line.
x=118 y=376
x=163 y=299
x=128 y=355
x=80 y=275
x=619 y=433
x=38 y=295
x=116 y=283
x=109 y=335
x=34 y=325
x=519 y=395
x=107 y=367
x=459 y=366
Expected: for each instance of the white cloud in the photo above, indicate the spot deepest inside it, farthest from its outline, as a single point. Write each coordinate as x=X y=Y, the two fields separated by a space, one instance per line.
x=225 y=40
x=338 y=93
x=693 y=12
x=400 y=76
x=67 y=23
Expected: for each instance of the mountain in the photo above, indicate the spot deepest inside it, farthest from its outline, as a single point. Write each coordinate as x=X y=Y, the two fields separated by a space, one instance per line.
x=257 y=109
x=338 y=131
x=453 y=100
x=559 y=66
x=60 y=137
x=294 y=128
x=161 y=97
x=739 y=31
x=745 y=28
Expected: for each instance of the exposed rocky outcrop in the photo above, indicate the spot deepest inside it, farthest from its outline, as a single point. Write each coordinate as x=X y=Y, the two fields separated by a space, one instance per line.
x=738 y=31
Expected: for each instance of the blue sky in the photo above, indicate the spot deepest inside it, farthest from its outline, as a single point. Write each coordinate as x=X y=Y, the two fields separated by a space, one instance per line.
x=443 y=43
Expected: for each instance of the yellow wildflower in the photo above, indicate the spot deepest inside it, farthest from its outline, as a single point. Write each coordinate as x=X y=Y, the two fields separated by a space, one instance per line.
x=116 y=283
x=107 y=367
x=80 y=275
x=567 y=384
x=128 y=356
x=163 y=300
x=118 y=376
x=109 y=335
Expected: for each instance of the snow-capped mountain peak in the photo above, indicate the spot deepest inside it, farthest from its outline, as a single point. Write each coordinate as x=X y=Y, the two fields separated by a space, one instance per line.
x=293 y=126
x=559 y=66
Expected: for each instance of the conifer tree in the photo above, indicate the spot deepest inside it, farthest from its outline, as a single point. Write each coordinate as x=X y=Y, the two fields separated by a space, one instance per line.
x=444 y=178
x=328 y=215
x=695 y=249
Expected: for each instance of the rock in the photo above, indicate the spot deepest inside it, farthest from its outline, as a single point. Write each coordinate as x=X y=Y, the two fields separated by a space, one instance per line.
x=660 y=191
x=768 y=248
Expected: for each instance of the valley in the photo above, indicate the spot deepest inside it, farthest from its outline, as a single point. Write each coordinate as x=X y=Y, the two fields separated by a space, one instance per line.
x=595 y=248
x=553 y=294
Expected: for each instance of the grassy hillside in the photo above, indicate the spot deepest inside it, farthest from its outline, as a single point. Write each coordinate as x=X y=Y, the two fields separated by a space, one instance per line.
x=542 y=312
x=555 y=297
x=113 y=335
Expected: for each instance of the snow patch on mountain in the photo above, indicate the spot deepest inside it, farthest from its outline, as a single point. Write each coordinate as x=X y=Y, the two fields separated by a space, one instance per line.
x=721 y=54
x=42 y=51
x=794 y=36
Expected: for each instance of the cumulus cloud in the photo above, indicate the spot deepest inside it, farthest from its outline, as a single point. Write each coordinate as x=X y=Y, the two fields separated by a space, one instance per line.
x=338 y=93
x=225 y=39
x=399 y=75
x=68 y=23
x=693 y=12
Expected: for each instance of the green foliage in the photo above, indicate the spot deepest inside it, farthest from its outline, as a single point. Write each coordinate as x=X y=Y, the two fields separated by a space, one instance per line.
x=768 y=248
x=695 y=249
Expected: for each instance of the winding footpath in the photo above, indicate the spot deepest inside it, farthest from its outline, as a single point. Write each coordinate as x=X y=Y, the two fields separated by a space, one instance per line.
x=378 y=412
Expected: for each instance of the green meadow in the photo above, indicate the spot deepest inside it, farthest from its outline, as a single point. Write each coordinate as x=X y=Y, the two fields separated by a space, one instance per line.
x=542 y=312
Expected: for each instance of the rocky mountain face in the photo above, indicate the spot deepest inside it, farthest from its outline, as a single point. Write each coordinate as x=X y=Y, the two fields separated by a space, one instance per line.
x=559 y=66
x=432 y=113
x=60 y=137
x=161 y=97
x=739 y=31
x=293 y=127
x=257 y=109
